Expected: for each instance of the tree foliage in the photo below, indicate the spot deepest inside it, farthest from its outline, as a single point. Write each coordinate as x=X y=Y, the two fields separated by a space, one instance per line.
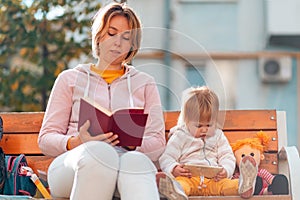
x=37 y=41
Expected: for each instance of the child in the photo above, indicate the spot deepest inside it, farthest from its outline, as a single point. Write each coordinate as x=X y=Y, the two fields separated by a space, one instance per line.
x=266 y=183
x=196 y=139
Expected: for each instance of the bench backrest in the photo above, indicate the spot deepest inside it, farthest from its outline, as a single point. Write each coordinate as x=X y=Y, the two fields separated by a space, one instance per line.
x=21 y=133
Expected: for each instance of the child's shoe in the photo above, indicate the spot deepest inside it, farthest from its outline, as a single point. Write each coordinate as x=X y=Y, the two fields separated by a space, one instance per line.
x=248 y=173
x=170 y=188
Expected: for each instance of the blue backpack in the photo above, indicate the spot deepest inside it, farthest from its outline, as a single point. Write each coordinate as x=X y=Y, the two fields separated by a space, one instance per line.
x=17 y=182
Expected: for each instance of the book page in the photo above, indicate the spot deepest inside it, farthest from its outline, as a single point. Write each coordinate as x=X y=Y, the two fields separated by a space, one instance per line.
x=205 y=170
x=125 y=110
x=98 y=106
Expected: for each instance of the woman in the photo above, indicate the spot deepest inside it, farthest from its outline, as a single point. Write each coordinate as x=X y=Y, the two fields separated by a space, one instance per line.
x=89 y=167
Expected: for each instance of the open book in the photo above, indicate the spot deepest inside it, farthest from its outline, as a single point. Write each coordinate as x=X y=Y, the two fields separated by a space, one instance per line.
x=203 y=170
x=128 y=123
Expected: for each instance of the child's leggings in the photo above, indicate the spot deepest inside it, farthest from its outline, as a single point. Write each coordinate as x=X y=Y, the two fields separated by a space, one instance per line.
x=224 y=187
x=94 y=169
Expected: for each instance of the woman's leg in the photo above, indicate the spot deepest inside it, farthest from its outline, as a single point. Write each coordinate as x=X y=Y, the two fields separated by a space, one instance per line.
x=86 y=172
x=136 y=179
x=60 y=177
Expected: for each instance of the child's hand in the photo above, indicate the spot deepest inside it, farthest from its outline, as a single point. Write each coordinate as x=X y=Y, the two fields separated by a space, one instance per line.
x=222 y=174
x=180 y=171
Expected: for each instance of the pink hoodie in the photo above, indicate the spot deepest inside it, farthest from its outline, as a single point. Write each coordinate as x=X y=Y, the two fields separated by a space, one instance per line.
x=134 y=88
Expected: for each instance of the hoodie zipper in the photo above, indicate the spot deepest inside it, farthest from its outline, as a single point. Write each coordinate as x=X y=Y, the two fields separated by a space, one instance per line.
x=205 y=158
x=109 y=89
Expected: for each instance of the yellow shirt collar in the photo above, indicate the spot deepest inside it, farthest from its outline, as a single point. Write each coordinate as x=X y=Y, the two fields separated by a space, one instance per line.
x=108 y=75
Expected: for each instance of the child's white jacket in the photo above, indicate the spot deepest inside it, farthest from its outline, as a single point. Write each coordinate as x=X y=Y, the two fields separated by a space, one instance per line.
x=134 y=88
x=183 y=148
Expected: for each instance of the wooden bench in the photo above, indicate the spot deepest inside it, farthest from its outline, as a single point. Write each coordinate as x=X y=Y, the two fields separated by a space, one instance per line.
x=21 y=132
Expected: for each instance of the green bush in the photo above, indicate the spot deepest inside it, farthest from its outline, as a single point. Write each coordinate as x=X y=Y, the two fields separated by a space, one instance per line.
x=38 y=40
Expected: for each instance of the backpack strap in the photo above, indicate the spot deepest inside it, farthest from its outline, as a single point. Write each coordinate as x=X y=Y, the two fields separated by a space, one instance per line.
x=9 y=162
x=16 y=164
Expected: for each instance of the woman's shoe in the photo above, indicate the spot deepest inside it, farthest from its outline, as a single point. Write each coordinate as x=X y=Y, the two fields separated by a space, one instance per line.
x=170 y=188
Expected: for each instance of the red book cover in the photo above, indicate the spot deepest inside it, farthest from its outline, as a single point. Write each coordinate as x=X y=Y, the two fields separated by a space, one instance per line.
x=128 y=123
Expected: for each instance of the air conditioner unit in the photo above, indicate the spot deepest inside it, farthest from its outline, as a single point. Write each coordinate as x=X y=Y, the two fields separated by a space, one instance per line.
x=275 y=69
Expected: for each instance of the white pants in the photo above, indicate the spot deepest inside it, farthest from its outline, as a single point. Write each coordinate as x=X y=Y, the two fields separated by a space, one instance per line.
x=94 y=169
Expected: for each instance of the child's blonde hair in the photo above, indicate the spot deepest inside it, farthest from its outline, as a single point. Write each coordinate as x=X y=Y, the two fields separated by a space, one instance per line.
x=198 y=103
x=260 y=142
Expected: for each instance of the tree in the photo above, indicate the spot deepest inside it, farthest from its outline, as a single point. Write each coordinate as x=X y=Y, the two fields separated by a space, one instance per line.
x=38 y=39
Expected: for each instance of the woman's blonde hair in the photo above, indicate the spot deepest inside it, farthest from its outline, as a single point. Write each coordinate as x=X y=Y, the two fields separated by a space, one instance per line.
x=102 y=20
x=198 y=103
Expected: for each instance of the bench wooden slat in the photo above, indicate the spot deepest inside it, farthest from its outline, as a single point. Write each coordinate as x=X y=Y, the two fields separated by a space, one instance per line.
x=270 y=162
x=39 y=162
x=233 y=136
x=236 y=119
x=249 y=120
x=20 y=143
x=170 y=119
x=15 y=122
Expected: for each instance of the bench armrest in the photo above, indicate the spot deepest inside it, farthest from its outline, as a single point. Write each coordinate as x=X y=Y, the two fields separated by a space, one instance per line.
x=289 y=165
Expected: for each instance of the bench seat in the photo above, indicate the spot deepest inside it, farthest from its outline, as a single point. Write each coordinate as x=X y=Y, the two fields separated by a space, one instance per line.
x=21 y=132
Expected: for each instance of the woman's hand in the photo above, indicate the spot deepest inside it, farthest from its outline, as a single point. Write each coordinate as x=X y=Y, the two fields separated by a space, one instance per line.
x=222 y=174
x=180 y=171
x=84 y=136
